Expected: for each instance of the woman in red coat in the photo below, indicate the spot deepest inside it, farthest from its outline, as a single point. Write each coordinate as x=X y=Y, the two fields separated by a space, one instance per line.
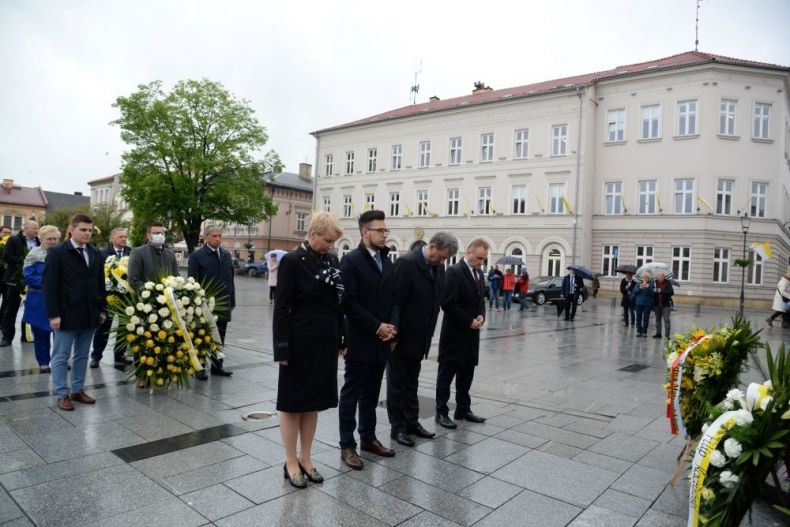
x=522 y=286
x=508 y=285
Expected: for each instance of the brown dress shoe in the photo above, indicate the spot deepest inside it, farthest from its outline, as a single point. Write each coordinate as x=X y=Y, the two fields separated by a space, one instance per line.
x=82 y=397
x=351 y=458
x=375 y=447
x=64 y=403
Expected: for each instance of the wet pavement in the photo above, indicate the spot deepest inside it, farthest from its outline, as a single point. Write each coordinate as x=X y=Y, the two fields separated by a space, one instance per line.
x=576 y=435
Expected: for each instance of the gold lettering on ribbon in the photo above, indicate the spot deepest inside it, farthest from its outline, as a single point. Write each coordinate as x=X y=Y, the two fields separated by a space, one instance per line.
x=699 y=467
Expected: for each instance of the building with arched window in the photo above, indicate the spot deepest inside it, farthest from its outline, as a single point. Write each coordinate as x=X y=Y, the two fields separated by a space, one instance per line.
x=655 y=161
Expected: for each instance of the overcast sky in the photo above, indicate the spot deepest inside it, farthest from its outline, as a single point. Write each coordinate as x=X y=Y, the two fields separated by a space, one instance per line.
x=309 y=65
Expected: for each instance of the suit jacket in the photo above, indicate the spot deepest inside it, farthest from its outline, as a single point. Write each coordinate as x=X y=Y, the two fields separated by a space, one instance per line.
x=149 y=264
x=463 y=300
x=415 y=306
x=14 y=257
x=72 y=290
x=215 y=275
x=577 y=286
x=110 y=251
x=367 y=303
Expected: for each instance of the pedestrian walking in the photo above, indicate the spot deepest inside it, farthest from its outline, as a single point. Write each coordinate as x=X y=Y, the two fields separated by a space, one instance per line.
x=523 y=288
x=642 y=297
x=781 y=298
x=273 y=265
x=35 y=312
x=629 y=311
x=508 y=286
x=662 y=304
x=494 y=286
x=571 y=289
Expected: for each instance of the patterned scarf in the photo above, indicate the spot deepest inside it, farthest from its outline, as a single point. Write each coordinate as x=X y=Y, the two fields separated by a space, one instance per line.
x=327 y=273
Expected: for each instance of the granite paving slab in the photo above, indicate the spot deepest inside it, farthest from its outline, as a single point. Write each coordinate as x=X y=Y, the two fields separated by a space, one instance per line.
x=674 y=499
x=529 y=509
x=8 y=509
x=209 y=475
x=442 y=474
x=643 y=482
x=18 y=460
x=261 y=486
x=59 y=470
x=374 y=474
x=153 y=426
x=428 y=519
x=556 y=434
x=269 y=452
x=611 y=464
x=454 y=508
x=490 y=492
x=487 y=455
x=594 y=516
x=624 y=446
x=216 y=502
x=380 y=505
x=653 y=518
x=621 y=502
x=180 y=461
x=521 y=438
x=169 y=512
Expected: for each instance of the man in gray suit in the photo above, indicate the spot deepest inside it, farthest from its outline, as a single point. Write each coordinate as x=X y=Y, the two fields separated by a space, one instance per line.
x=153 y=260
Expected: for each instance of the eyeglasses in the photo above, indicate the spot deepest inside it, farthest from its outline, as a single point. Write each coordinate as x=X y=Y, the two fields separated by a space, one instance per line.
x=380 y=230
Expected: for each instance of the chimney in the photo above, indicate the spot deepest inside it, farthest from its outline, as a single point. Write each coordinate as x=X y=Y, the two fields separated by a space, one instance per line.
x=480 y=86
x=8 y=184
x=433 y=98
x=305 y=170
x=77 y=193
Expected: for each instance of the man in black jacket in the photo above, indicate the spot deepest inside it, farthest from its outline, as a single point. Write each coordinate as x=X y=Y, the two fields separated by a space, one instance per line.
x=571 y=289
x=119 y=238
x=14 y=257
x=463 y=303
x=212 y=267
x=418 y=283
x=76 y=303
x=367 y=303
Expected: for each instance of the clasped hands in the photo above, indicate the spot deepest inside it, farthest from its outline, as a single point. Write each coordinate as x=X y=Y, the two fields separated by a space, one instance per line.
x=477 y=323
x=386 y=332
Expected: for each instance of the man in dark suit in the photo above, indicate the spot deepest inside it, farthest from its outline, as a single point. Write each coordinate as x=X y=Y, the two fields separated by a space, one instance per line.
x=212 y=267
x=14 y=256
x=418 y=284
x=367 y=303
x=119 y=238
x=463 y=303
x=152 y=261
x=76 y=303
x=571 y=289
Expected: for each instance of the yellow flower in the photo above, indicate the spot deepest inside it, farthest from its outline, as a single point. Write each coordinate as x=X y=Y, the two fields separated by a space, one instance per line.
x=190 y=371
x=149 y=373
x=135 y=349
x=130 y=337
x=173 y=378
x=170 y=340
x=160 y=382
x=198 y=341
x=161 y=335
x=159 y=371
x=179 y=354
x=147 y=334
x=698 y=333
x=707 y=494
x=202 y=332
x=157 y=350
x=149 y=343
x=170 y=358
x=150 y=361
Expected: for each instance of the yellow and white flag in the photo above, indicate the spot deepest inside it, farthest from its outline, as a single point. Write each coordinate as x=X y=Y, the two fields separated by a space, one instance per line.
x=763 y=249
x=700 y=199
x=567 y=204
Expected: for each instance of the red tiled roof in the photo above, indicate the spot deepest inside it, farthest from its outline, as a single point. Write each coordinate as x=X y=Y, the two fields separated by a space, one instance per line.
x=682 y=60
x=29 y=196
x=103 y=179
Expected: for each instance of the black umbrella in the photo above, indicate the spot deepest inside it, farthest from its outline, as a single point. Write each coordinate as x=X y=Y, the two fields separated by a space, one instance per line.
x=582 y=271
x=560 y=307
x=626 y=268
x=510 y=260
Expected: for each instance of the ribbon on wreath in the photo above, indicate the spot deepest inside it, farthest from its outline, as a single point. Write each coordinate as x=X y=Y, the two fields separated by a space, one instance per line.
x=699 y=466
x=118 y=273
x=675 y=380
x=178 y=319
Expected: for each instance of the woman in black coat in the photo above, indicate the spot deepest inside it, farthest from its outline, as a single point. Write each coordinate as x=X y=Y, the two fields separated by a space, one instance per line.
x=628 y=306
x=308 y=336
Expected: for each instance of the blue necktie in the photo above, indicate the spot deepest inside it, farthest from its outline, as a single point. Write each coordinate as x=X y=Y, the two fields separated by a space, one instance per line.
x=377 y=257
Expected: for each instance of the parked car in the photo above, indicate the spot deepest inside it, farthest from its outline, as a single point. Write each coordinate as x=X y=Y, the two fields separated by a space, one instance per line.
x=549 y=289
x=254 y=269
x=238 y=263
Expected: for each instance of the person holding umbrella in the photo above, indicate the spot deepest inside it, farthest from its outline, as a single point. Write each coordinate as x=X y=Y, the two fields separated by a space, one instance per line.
x=662 y=302
x=626 y=285
x=571 y=289
x=642 y=298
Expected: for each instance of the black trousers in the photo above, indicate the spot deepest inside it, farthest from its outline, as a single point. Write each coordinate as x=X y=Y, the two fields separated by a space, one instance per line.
x=222 y=328
x=361 y=387
x=463 y=381
x=570 y=306
x=100 y=338
x=629 y=310
x=403 y=407
x=10 y=308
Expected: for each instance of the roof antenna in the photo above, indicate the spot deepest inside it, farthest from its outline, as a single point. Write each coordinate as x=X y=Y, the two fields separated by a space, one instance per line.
x=696 y=28
x=415 y=87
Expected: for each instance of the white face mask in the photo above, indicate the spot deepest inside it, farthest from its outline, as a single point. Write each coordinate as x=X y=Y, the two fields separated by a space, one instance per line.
x=158 y=239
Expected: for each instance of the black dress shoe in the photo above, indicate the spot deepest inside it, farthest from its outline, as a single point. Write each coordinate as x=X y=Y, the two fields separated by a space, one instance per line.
x=201 y=375
x=296 y=478
x=221 y=372
x=657 y=336
x=445 y=421
x=469 y=416
x=419 y=431
x=94 y=363
x=312 y=475
x=403 y=438
x=122 y=361
x=4 y=343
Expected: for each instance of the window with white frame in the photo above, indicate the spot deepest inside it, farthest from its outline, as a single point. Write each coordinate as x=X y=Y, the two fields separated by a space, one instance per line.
x=556 y=193
x=609 y=259
x=329 y=163
x=754 y=273
x=724 y=196
x=425 y=154
x=486 y=147
x=350 y=162
x=301 y=221
x=453 y=201
x=687 y=117
x=553 y=261
x=616 y=125
x=522 y=144
x=762 y=115
x=559 y=140
x=394 y=204
x=519 y=196
x=393 y=253
x=455 y=150
x=452 y=260
x=484 y=204
x=372 y=155
x=644 y=255
x=345 y=248
x=759 y=197
x=397 y=157
x=651 y=121
x=681 y=263
x=727 y=111
x=328 y=203
x=518 y=252
x=370 y=201
x=613 y=197
x=647 y=196
x=422 y=203
x=14 y=221
x=721 y=265
x=684 y=196
x=347 y=205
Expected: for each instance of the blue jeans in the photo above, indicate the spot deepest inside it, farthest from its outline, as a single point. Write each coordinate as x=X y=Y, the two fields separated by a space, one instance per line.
x=506 y=302
x=42 y=345
x=494 y=298
x=81 y=340
x=643 y=318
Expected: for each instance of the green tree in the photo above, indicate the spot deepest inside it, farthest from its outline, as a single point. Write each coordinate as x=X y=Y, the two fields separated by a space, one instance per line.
x=195 y=156
x=106 y=217
x=61 y=218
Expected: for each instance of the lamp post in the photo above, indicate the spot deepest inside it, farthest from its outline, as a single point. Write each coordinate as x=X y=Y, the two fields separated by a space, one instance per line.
x=745 y=222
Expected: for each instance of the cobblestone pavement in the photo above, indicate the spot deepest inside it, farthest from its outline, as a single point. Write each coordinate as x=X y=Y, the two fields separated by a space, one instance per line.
x=576 y=435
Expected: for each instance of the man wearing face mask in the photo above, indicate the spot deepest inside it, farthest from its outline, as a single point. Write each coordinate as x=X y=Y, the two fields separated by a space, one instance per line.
x=152 y=261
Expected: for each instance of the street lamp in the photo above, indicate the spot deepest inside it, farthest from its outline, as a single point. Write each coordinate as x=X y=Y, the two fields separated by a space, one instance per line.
x=745 y=222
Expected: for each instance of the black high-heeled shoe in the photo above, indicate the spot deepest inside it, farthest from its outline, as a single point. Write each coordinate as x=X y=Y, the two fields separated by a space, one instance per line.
x=312 y=475
x=296 y=478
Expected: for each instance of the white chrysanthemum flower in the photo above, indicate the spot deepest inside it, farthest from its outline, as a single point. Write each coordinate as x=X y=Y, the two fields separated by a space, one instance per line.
x=699 y=373
x=152 y=318
x=732 y=448
x=129 y=327
x=145 y=294
x=726 y=404
x=129 y=311
x=191 y=279
x=191 y=311
x=735 y=394
x=140 y=330
x=167 y=324
x=107 y=283
x=189 y=286
x=198 y=311
x=202 y=320
x=140 y=306
x=717 y=459
x=163 y=312
x=161 y=299
x=728 y=479
x=135 y=320
x=160 y=287
x=185 y=300
x=147 y=308
x=149 y=285
x=743 y=417
x=154 y=327
x=211 y=303
x=180 y=279
x=705 y=427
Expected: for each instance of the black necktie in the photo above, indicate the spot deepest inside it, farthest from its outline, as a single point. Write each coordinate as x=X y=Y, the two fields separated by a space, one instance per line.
x=119 y=253
x=82 y=255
